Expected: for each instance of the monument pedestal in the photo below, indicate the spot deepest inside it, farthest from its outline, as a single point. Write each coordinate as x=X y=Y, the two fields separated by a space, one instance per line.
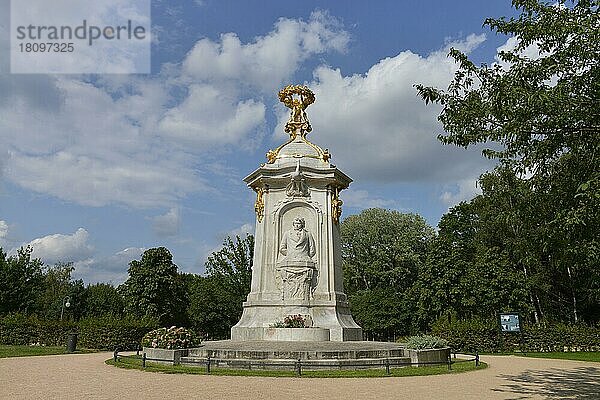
x=258 y=319
x=297 y=266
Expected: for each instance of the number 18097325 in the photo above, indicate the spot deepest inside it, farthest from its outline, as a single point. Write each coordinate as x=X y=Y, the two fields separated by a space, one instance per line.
x=46 y=47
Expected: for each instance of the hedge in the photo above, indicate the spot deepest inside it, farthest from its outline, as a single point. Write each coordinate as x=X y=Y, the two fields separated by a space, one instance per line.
x=485 y=336
x=103 y=333
x=108 y=333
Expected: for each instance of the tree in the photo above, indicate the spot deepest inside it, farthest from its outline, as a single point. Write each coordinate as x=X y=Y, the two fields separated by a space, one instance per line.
x=20 y=281
x=56 y=286
x=469 y=271
x=154 y=288
x=542 y=115
x=382 y=253
x=216 y=299
x=103 y=299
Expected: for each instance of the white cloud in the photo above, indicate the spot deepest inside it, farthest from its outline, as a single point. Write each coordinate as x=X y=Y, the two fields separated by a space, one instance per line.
x=205 y=250
x=107 y=269
x=209 y=117
x=104 y=56
x=269 y=60
x=8 y=237
x=4 y=235
x=167 y=224
x=241 y=231
x=62 y=248
x=463 y=190
x=361 y=199
x=377 y=126
x=470 y=43
x=3 y=229
x=131 y=140
x=532 y=51
x=97 y=147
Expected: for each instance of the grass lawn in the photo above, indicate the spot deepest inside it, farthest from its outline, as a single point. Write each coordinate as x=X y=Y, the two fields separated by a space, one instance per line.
x=23 y=351
x=577 y=356
x=136 y=363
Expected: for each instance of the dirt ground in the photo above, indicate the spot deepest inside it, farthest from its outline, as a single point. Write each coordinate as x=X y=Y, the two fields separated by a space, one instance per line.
x=85 y=376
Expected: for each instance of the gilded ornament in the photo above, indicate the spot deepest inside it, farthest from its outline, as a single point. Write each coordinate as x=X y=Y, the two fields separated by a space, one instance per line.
x=259 y=205
x=298 y=122
x=272 y=156
x=336 y=206
x=297 y=98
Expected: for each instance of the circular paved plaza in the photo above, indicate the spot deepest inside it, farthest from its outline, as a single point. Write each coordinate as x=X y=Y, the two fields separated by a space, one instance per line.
x=85 y=376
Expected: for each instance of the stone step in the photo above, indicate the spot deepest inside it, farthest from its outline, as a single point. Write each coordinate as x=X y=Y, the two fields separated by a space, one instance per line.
x=306 y=364
x=263 y=350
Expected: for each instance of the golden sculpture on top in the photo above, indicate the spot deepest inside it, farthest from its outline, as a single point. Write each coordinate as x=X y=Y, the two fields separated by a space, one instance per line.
x=298 y=122
x=297 y=98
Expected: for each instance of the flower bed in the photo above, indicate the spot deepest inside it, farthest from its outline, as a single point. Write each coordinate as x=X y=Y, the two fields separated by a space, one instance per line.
x=172 y=338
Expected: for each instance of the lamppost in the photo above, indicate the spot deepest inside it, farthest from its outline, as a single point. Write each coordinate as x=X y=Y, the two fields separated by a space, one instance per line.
x=66 y=302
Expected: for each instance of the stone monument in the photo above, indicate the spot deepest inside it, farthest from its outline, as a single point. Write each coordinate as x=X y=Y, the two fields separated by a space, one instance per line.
x=297 y=266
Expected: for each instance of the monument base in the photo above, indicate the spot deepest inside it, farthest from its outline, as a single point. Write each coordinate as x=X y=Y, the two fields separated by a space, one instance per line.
x=281 y=334
x=227 y=349
x=334 y=318
x=285 y=354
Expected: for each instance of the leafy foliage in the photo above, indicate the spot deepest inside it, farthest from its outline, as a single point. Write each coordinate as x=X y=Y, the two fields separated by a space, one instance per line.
x=109 y=332
x=154 y=288
x=216 y=299
x=104 y=333
x=538 y=110
x=470 y=269
x=57 y=285
x=383 y=251
x=484 y=335
x=21 y=281
x=425 y=342
x=21 y=329
x=383 y=248
x=103 y=299
x=294 y=321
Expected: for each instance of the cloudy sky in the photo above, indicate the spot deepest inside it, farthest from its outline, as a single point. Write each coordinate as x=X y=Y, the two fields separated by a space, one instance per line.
x=96 y=168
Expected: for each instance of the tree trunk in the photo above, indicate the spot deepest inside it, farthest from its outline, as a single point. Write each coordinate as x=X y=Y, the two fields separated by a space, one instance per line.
x=573 y=298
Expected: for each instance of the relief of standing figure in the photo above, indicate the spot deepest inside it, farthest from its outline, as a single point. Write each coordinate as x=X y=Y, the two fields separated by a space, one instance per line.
x=298 y=244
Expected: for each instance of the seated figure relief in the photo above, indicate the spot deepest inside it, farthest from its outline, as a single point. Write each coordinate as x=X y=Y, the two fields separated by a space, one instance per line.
x=296 y=274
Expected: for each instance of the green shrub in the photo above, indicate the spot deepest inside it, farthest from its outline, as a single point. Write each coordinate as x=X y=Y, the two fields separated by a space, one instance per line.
x=20 y=329
x=109 y=332
x=561 y=337
x=425 y=342
x=470 y=335
x=485 y=336
x=104 y=333
x=172 y=338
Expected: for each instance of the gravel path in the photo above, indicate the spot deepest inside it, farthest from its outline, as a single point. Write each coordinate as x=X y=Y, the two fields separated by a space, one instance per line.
x=85 y=376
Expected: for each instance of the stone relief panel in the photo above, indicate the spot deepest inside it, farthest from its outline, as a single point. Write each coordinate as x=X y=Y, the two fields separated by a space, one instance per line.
x=296 y=271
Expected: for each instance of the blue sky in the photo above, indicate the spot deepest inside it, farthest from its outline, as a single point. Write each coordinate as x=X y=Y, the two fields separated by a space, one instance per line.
x=96 y=168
